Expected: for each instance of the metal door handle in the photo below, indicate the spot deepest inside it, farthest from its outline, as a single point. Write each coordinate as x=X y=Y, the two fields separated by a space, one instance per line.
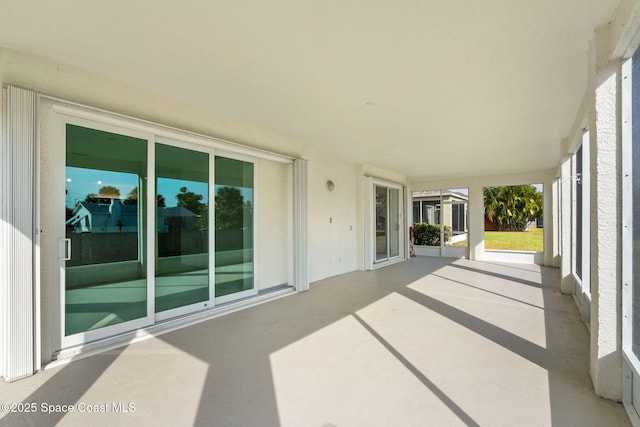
x=66 y=250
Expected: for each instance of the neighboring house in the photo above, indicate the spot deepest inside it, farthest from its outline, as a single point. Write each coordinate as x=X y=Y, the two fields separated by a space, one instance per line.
x=448 y=207
x=119 y=217
x=90 y=217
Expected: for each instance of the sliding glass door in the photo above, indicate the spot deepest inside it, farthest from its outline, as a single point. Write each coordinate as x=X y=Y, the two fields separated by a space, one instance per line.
x=105 y=252
x=394 y=223
x=387 y=223
x=182 y=228
x=382 y=223
x=234 y=218
x=154 y=228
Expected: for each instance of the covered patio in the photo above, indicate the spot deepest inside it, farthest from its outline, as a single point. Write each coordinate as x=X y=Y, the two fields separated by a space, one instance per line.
x=429 y=341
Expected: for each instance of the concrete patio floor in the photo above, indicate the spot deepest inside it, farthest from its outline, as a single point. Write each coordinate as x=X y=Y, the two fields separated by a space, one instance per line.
x=428 y=342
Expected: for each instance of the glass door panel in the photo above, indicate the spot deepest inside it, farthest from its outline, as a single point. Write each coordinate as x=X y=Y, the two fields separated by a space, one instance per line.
x=454 y=222
x=381 y=223
x=233 y=213
x=394 y=222
x=105 y=264
x=182 y=227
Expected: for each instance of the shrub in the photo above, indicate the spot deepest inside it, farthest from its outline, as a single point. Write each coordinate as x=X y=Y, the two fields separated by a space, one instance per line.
x=429 y=234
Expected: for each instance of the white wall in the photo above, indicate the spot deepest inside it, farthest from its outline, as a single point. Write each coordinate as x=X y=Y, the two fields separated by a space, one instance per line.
x=273 y=187
x=606 y=215
x=332 y=215
x=336 y=218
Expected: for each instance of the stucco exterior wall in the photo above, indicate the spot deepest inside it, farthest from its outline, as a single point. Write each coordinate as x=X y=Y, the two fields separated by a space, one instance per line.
x=601 y=113
x=606 y=215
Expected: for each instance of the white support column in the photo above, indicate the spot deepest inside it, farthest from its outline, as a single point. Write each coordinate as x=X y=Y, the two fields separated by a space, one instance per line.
x=549 y=220
x=476 y=222
x=300 y=257
x=566 y=227
x=555 y=206
x=606 y=217
x=18 y=235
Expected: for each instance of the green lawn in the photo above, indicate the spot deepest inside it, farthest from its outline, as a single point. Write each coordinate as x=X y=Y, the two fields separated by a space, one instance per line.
x=514 y=240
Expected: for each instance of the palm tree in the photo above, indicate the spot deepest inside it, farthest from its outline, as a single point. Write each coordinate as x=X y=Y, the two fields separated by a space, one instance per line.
x=512 y=207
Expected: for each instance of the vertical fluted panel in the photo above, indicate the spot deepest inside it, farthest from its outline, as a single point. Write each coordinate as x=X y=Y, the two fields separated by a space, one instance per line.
x=18 y=162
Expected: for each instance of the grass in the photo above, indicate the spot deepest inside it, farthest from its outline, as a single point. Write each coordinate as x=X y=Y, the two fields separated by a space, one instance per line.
x=531 y=240
x=511 y=240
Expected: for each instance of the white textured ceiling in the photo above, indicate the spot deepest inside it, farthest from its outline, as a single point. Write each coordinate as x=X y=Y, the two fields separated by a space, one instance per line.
x=461 y=87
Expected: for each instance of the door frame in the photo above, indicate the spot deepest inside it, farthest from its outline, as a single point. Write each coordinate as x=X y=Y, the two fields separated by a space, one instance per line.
x=253 y=291
x=370 y=223
x=60 y=340
x=63 y=115
x=187 y=309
